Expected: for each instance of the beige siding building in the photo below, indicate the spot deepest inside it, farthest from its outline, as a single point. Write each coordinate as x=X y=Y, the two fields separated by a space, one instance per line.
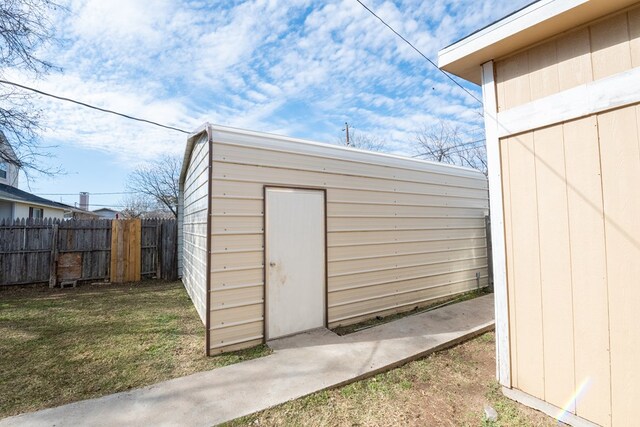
x=561 y=86
x=319 y=235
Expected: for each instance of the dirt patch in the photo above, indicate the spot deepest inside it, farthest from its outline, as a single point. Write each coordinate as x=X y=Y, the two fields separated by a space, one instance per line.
x=448 y=388
x=379 y=320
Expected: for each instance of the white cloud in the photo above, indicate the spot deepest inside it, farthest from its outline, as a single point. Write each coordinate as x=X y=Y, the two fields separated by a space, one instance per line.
x=300 y=67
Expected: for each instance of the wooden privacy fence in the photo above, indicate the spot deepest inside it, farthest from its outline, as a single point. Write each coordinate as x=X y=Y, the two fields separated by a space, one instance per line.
x=57 y=251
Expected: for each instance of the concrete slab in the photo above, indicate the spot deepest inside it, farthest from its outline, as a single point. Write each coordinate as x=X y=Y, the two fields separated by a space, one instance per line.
x=300 y=365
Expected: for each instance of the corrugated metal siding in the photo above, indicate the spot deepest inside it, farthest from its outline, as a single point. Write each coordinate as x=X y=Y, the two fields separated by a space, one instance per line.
x=599 y=50
x=398 y=236
x=194 y=226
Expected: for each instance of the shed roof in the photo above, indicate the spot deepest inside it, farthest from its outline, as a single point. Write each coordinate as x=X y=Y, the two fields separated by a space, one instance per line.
x=525 y=27
x=320 y=150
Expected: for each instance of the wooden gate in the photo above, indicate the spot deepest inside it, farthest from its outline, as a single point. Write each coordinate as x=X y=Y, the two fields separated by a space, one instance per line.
x=125 y=250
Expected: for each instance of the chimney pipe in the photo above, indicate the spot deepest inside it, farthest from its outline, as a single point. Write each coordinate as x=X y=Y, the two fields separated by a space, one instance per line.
x=84 y=200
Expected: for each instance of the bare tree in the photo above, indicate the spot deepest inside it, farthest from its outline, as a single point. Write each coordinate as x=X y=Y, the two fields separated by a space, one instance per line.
x=363 y=141
x=158 y=181
x=25 y=27
x=443 y=143
x=137 y=206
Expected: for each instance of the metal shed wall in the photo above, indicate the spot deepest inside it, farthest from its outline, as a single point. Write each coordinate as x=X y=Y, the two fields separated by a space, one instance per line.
x=400 y=232
x=193 y=225
x=571 y=209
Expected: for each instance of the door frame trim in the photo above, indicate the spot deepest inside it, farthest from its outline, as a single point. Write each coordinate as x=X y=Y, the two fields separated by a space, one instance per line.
x=264 y=251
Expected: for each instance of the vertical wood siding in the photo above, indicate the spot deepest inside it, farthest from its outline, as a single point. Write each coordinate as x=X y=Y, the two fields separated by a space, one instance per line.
x=620 y=157
x=194 y=226
x=572 y=234
x=602 y=49
x=572 y=209
x=398 y=237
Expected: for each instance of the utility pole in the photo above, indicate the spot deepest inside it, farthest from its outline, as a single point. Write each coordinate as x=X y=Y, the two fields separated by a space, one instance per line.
x=346 y=128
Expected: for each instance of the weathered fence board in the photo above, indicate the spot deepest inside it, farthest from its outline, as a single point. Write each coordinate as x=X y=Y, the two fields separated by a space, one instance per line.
x=168 y=251
x=25 y=250
x=45 y=250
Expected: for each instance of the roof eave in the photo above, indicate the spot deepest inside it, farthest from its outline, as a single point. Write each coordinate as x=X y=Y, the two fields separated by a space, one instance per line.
x=33 y=203
x=191 y=140
x=528 y=26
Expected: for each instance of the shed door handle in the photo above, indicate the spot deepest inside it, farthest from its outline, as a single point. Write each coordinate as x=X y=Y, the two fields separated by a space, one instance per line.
x=272 y=264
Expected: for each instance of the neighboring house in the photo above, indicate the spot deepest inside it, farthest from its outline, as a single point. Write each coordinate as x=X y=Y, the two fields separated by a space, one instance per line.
x=108 y=213
x=8 y=159
x=561 y=88
x=77 y=213
x=16 y=203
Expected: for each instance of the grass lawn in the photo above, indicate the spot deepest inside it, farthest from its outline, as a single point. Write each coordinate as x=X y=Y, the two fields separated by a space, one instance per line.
x=448 y=388
x=59 y=346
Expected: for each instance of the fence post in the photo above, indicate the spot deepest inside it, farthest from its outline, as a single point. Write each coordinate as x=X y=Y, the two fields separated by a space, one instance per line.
x=53 y=269
x=159 y=250
x=487 y=225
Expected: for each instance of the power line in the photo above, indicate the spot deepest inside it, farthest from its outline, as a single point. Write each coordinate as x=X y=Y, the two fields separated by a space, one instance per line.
x=84 y=104
x=419 y=52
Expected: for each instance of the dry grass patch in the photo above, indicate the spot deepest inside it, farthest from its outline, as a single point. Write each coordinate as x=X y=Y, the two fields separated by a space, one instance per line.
x=449 y=388
x=59 y=346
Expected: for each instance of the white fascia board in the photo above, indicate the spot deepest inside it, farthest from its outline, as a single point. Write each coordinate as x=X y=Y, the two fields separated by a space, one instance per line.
x=533 y=24
x=513 y=24
x=581 y=101
x=240 y=137
x=503 y=359
x=191 y=140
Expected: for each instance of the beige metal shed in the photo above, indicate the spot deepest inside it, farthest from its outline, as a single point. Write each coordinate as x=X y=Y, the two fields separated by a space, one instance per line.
x=280 y=235
x=561 y=90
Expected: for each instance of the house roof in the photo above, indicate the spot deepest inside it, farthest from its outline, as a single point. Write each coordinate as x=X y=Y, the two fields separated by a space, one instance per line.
x=13 y=194
x=532 y=24
x=105 y=209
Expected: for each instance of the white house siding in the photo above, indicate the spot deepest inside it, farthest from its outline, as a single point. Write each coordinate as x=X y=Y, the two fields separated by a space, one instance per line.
x=21 y=210
x=12 y=176
x=194 y=226
x=400 y=232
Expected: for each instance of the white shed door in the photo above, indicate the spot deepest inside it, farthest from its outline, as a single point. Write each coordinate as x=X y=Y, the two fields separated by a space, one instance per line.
x=295 y=264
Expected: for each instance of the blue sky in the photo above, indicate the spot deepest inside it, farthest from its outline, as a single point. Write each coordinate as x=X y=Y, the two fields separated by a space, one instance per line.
x=299 y=68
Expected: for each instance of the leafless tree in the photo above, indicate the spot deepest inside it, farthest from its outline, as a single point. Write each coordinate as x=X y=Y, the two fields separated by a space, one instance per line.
x=363 y=141
x=25 y=27
x=159 y=182
x=136 y=206
x=443 y=143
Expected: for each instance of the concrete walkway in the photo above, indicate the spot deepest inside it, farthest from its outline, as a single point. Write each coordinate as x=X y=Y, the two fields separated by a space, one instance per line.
x=300 y=365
